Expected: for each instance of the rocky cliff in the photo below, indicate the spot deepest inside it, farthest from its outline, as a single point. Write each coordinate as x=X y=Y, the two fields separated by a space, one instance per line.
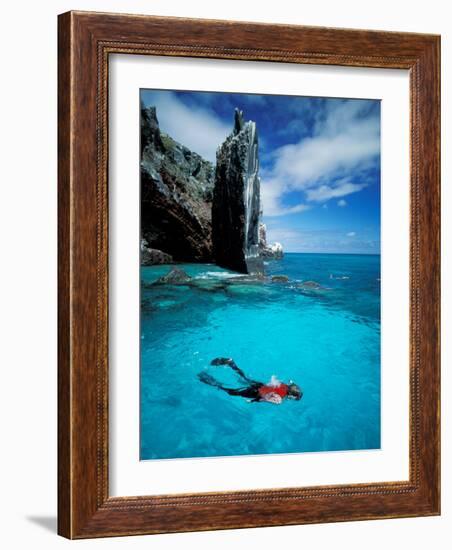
x=176 y=198
x=192 y=211
x=236 y=200
x=268 y=251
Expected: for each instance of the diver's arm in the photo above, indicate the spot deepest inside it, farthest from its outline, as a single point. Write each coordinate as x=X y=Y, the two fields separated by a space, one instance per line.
x=272 y=397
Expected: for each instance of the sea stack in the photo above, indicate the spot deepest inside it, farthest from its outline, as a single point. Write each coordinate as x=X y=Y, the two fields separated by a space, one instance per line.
x=236 y=200
x=269 y=251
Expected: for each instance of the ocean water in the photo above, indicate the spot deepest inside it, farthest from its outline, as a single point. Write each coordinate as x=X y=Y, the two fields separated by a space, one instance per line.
x=325 y=340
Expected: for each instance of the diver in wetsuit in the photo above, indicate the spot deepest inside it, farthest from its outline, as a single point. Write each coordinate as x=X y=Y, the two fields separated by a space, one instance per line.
x=273 y=392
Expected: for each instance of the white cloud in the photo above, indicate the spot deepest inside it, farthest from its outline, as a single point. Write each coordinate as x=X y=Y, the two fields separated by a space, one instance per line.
x=325 y=192
x=287 y=236
x=271 y=193
x=316 y=158
x=342 y=203
x=324 y=166
x=342 y=147
x=351 y=234
x=323 y=240
x=198 y=128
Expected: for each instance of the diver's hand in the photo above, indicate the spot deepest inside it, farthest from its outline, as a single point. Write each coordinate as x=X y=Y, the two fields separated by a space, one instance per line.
x=272 y=397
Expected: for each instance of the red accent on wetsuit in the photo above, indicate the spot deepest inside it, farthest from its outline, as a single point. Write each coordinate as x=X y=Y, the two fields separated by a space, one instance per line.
x=281 y=390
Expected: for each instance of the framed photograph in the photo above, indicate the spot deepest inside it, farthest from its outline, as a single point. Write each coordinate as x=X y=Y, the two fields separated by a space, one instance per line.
x=248 y=275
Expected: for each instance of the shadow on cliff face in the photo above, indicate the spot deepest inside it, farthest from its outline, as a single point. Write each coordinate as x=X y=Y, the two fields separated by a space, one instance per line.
x=176 y=195
x=236 y=206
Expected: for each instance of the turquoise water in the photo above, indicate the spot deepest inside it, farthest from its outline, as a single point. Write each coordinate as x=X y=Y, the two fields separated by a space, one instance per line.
x=326 y=340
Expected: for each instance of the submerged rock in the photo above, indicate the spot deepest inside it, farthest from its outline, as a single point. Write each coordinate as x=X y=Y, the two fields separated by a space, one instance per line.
x=152 y=256
x=269 y=251
x=175 y=276
x=213 y=284
x=311 y=287
x=310 y=284
x=236 y=200
x=280 y=279
x=208 y=285
x=245 y=289
x=176 y=195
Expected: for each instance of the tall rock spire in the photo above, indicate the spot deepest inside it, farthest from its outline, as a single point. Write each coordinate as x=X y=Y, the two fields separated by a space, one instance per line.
x=236 y=200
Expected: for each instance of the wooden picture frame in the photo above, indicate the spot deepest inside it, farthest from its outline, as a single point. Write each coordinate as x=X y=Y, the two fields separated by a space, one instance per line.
x=86 y=40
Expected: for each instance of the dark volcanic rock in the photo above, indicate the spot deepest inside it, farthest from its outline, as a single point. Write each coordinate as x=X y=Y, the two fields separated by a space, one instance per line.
x=310 y=284
x=268 y=251
x=152 y=256
x=176 y=195
x=236 y=200
x=175 y=276
x=150 y=131
x=280 y=279
x=311 y=288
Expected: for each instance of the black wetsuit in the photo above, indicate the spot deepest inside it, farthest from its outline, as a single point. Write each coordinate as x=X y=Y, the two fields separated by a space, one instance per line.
x=251 y=391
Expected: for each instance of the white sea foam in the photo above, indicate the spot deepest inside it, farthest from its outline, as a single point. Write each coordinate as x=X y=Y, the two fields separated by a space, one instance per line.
x=340 y=278
x=219 y=275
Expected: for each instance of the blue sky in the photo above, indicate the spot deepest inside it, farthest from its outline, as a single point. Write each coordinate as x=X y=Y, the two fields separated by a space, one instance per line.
x=319 y=161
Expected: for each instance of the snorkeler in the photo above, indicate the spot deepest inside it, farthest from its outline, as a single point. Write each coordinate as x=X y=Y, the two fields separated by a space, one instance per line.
x=273 y=392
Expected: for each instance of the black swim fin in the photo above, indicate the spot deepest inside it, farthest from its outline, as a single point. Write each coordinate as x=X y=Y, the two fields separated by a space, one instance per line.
x=207 y=379
x=221 y=361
